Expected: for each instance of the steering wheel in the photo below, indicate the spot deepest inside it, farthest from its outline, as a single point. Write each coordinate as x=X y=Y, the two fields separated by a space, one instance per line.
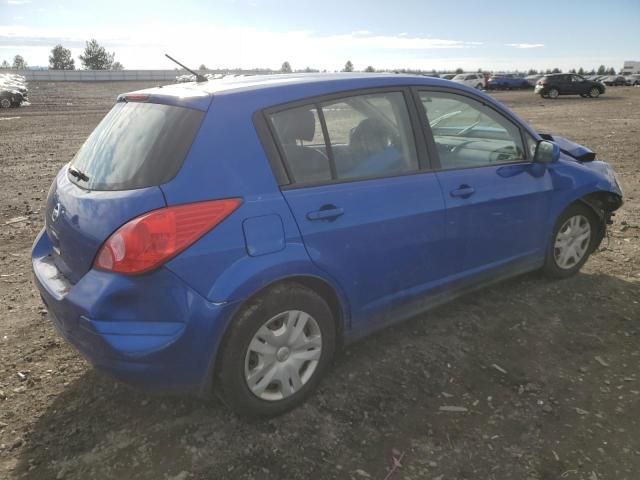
x=503 y=154
x=456 y=148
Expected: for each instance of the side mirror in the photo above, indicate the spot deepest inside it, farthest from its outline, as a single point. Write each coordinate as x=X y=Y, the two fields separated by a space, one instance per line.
x=546 y=152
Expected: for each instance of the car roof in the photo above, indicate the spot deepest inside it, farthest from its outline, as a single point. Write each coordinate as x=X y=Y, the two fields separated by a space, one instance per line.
x=279 y=88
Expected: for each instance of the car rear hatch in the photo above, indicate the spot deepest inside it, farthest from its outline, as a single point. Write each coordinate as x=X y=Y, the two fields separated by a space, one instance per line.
x=115 y=176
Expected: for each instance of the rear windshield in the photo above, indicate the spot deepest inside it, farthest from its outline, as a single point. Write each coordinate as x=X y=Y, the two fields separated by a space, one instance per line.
x=136 y=145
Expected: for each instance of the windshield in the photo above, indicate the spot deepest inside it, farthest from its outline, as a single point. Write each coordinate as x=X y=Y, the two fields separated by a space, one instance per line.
x=136 y=145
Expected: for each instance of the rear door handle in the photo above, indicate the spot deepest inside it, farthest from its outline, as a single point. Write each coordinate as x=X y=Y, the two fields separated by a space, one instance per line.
x=463 y=191
x=325 y=213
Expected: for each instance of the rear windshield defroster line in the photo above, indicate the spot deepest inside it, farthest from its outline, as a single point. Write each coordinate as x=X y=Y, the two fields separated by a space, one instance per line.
x=136 y=145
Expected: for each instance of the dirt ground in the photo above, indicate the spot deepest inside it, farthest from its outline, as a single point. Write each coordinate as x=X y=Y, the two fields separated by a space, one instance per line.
x=548 y=372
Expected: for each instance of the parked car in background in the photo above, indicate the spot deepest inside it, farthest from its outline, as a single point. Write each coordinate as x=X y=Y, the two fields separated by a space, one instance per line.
x=473 y=80
x=448 y=76
x=20 y=87
x=533 y=79
x=506 y=82
x=13 y=90
x=233 y=233
x=186 y=78
x=554 y=85
x=614 y=81
x=633 y=79
x=10 y=98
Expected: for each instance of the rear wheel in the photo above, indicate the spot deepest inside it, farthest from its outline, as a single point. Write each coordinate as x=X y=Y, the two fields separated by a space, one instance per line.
x=277 y=349
x=553 y=93
x=594 y=92
x=479 y=86
x=573 y=240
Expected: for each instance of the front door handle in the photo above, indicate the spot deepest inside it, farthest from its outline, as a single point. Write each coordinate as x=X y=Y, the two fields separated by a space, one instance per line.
x=328 y=212
x=463 y=191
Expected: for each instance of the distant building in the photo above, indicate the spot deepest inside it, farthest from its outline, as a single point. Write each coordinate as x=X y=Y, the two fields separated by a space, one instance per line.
x=630 y=67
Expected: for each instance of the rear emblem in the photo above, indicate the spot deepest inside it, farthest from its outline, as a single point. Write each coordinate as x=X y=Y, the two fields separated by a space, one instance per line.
x=55 y=213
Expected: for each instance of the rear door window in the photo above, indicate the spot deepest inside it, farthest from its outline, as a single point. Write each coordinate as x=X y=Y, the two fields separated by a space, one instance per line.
x=303 y=144
x=362 y=136
x=136 y=145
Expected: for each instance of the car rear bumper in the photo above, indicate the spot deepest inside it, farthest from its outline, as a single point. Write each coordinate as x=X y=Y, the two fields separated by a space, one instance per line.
x=151 y=331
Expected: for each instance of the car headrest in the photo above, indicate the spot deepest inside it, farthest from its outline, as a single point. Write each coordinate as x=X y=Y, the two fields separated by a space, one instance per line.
x=297 y=124
x=369 y=137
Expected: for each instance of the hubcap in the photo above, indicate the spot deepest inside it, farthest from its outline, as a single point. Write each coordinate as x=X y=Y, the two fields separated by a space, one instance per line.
x=283 y=355
x=572 y=242
x=553 y=93
x=595 y=92
x=5 y=103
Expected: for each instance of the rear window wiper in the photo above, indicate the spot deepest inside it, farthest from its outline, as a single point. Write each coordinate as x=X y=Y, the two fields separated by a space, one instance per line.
x=78 y=174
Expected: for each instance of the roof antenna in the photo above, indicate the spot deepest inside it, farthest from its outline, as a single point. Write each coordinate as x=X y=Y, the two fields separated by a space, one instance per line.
x=199 y=77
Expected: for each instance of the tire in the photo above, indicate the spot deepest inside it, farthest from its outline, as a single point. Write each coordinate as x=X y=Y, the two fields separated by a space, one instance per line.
x=479 y=86
x=5 y=102
x=594 y=92
x=553 y=93
x=253 y=351
x=570 y=236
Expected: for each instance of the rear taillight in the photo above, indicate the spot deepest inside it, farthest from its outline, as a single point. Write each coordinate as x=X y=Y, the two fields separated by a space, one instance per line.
x=148 y=241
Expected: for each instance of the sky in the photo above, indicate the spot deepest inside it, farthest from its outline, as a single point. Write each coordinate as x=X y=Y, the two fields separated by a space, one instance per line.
x=416 y=34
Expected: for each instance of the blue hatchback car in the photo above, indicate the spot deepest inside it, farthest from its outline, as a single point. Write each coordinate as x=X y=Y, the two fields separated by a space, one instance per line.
x=232 y=233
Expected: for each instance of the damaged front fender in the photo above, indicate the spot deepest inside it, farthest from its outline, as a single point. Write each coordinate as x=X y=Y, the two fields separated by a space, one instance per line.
x=574 y=150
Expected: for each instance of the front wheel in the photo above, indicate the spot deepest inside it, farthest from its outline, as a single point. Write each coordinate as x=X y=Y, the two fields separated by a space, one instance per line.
x=5 y=102
x=594 y=92
x=277 y=349
x=573 y=240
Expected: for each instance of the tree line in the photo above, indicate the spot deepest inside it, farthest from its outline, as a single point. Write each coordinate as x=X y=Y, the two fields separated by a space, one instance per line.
x=94 y=57
x=349 y=67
